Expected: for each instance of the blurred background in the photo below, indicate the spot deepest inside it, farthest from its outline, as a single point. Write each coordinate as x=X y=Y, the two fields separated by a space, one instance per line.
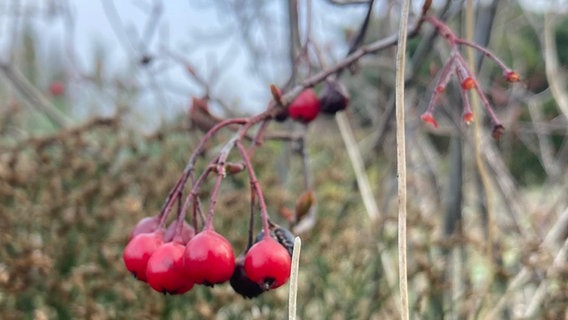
x=96 y=127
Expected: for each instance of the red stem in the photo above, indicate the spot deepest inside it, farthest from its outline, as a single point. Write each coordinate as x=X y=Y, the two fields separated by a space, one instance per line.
x=174 y=193
x=255 y=185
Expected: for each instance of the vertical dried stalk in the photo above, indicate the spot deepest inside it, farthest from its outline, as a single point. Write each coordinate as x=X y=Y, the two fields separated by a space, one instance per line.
x=555 y=78
x=294 y=279
x=401 y=158
x=358 y=166
x=364 y=187
x=479 y=158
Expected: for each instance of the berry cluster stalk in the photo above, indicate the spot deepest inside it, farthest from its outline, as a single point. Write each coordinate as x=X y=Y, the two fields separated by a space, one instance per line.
x=255 y=185
x=188 y=170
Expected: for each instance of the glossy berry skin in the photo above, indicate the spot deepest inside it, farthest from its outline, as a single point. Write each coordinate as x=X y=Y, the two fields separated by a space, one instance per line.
x=209 y=258
x=164 y=272
x=268 y=263
x=242 y=284
x=280 y=234
x=139 y=250
x=305 y=108
x=146 y=225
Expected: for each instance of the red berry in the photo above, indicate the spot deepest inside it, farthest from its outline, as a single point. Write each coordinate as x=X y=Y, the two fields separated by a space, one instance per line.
x=305 y=107
x=164 y=271
x=187 y=232
x=468 y=117
x=429 y=118
x=209 y=258
x=468 y=83
x=56 y=88
x=268 y=263
x=146 y=225
x=280 y=234
x=139 y=250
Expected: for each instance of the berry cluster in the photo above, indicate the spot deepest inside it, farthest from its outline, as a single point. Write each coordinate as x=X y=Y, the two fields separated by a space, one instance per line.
x=172 y=261
x=457 y=65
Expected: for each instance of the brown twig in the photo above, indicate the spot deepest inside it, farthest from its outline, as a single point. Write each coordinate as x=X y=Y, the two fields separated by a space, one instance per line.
x=32 y=95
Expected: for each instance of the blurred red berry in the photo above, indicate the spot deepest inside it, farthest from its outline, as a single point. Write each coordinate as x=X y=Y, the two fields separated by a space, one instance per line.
x=468 y=117
x=56 y=88
x=164 y=271
x=209 y=258
x=429 y=118
x=468 y=83
x=305 y=108
x=268 y=263
x=139 y=250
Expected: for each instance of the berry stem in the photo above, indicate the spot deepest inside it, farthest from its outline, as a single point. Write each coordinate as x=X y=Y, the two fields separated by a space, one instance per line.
x=222 y=159
x=445 y=76
x=454 y=41
x=251 y=218
x=487 y=53
x=255 y=185
x=259 y=137
x=187 y=171
x=212 y=203
x=179 y=216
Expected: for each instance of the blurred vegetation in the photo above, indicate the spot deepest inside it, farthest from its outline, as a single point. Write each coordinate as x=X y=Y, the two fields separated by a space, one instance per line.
x=69 y=198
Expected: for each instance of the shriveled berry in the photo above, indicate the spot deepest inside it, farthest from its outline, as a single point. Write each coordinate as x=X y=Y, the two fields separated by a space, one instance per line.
x=146 y=225
x=164 y=271
x=209 y=258
x=139 y=250
x=498 y=131
x=334 y=97
x=305 y=108
x=187 y=232
x=281 y=115
x=268 y=263
x=241 y=283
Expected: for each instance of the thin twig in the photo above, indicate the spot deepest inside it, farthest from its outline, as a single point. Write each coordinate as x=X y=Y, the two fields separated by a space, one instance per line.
x=555 y=78
x=401 y=158
x=553 y=235
x=540 y=293
x=358 y=166
x=32 y=95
